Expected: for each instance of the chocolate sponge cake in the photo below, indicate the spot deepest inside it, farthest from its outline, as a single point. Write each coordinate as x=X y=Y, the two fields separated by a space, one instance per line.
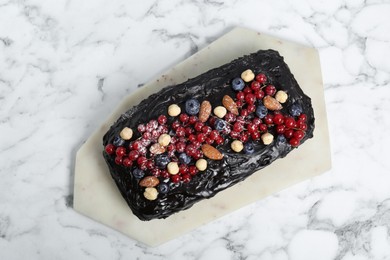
x=190 y=141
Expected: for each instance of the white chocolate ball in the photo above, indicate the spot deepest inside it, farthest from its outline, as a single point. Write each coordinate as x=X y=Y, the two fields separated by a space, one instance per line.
x=174 y=110
x=173 y=168
x=164 y=139
x=126 y=133
x=151 y=193
x=247 y=75
x=281 y=96
x=220 y=111
x=201 y=164
x=237 y=146
x=267 y=138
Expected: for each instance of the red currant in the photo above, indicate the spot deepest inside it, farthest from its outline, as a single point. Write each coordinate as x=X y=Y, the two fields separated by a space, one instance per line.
x=268 y=119
x=261 y=78
x=127 y=162
x=251 y=128
x=192 y=138
x=294 y=142
x=256 y=121
x=190 y=149
x=141 y=128
x=171 y=147
x=255 y=135
x=302 y=117
x=162 y=119
x=247 y=90
x=189 y=131
x=250 y=98
x=244 y=113
x=239 y=103
x=175 y=125
x=175 y=178
x=180 y=131
x=288 y=133
x=142 y=160
x=198 y=126
x=186 y=177
x=192 y=120
x=156 y=172
x=240 y=95
x=263 y=128
x=255 y=85
x=206 y=130
x=214 y=134
x=251 y=108
x=270 y=90
x=149 y=164
x=120 y=151
x=238 y=127
x=234 y=134
x=118 y=160
x=259 y=94
x=219 y=140
x=110 y=148
x=278 y=119
x=180 y=147
x=201 y=137
x=280 y=129
x=197 y=154
x=184 y=118
x=244 y=137
x=133 y=155
x=299 y=134
x=193 y=170
x=183 y=168
x=209 y=141
x=165 y=174
x=289 y=122
x=230 y=117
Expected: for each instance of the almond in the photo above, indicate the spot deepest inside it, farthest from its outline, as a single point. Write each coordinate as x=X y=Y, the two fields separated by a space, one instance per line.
x=230 y=105
x=211 y=152
x=271 y=103
x=156 y=149
x=149 y=181
x=204 y=111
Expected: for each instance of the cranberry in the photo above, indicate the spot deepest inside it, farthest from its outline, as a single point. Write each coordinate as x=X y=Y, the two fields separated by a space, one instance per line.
x=270 y=90
x=197 y=154
x=175 y=125
x=198 y=126
x=238 y=127
x=259 y=94
x=201 y=137
x=240 y=95
x=184 y=118
x=180 y=147
x=244 y=137
x=118 y=160
x=263 y=128
x=239 y=103
x=162 y=119
x=133 y=155
x=268 y=119
x=250 y=98
x=193 y=170
x=186 y=177
x=171 y=147
x=302 y=126
x=278 y=119
x=206 y=130
x=110 y=148
x=261 y=78
x=127 y=162
x=180 y=131
x=255 y=85
x=294 y=142
x=299 y=134
x=196 y=144
x=247 y=90
x=142 y=160
x=120 y=151
x=190 y=149
x=137 y=144
x=280 y=129
x=192 y=120
x=175 y=178
x=288 y=133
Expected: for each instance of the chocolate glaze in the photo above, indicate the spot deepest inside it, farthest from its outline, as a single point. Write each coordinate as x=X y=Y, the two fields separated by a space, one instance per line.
x=234 y=167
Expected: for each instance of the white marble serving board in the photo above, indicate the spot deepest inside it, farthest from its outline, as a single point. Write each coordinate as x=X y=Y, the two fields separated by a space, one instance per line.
x=96 y=195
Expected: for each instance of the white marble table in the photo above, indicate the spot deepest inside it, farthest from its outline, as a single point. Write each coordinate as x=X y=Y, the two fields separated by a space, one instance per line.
x=65 y=65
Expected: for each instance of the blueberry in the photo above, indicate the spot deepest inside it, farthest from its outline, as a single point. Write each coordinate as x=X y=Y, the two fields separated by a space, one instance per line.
x=118 y=141
x=192 y=106
x=138 y=173
x=161 y=161
x=261 y=111
x=220 y=124
x=163 y=188
x=184 y=158
x=280 y=139
x=249 y=148
x=295 y=109
x=238 y=84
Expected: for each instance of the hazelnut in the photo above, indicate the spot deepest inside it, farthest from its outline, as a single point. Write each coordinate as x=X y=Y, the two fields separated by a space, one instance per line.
x=173 y=168
x=267 y=138
x=281 y=96
x=126 y=133
x=164 y=139
x=151 y=193
x=201 y=164
x=220 y=111
x=248 y=75
x=174 y=110
x=237 y=146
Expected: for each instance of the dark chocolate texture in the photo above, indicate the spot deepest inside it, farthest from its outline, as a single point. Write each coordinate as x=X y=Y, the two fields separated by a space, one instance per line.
x=234 y=167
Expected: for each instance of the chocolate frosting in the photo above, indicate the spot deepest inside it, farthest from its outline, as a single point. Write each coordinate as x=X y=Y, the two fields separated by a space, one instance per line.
x=234 y=167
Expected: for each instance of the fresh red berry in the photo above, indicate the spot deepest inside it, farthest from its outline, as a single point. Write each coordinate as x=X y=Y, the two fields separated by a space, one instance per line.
x=193 y=170
x=197 y=154
x=239 y=103
x=133 y=155
x=230 y=117
x=175 y=178
x=120 y=151
x=244 y=112
x=127 y=162
x=119 y=160
x=247 y=90
x=186 y=178
x=175 y=125
x=155 y=134
x=303 y=126
x=255 y=135
x=234 y=134
x=251 y=128
x=192 y=138
x=288 y=133
x=183 y=168
x=214 y=134
x=289 y=122
x=240 y=95
x=244 y=137
x=192 y=120
x=165 y=174
x=190 y=149
x=162 y=119
x=268 y=119
x=149 y=164
x=238 y=127
x=201 y=137
x=180 y=147
x=110 y=148
x=196 y=144
x=250 y=98
x=206 y=129
x=256 y=121
x=259 y=94
x=146 y=136
x=263 y=128
x=251 y=108
x=270 y=90
x=278 y=119
x=198 y=126
x=280 y=129
x=240 y=119
x=209 y=141
x=141 y=128
x=180 y=131
x=142 y=160
x=261 y=78
x=294 y=142
x=302 y=117
x=211 y=120
x=255 y=85
x=189 y=131
x=299 y=134
x=171 y=147
x=156 y=172
x=184 y=118
x=219 y=140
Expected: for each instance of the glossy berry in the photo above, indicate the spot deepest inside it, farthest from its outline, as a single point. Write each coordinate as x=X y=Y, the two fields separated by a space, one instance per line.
x=281 y=139
x=302 y=126
x=302 y=117
x=133 y=155
x=175 y=125
x=183 y=168
x=238 y=127
x=180 y=131
x=206 y=130
x=189 y=131
x=278 y=119
x=192 y=106
x=184 y=118
x=220 y=125
x=198 y=126
x=138 y=173
x=175 y=178
x=180 y=147
x=192 y=120
x=263 y=128
x=219 y=140
x=201 y=137
x=110 y=148
x=259 y=94
x=163 y=188
x=240 y=95
x=250 y=98
x=161 y=161
x=244 y=113
x=127 y=162
x=156 y=172
x=234 y=134
x=268 y=119
x=255 y=85
x=142 y=160
x=288 y=133
x=294 y=142
x=256 y=121
x=193 y=170
x=270 y=90
x=118 y=141
x=141 y=128
x=255 y=135
x=261 y=78
x=120 y=151
x=289 y=122
x=244 y=137
x=261 y=111
x=251 y=128
x=184 y=158
x=165 y=174
x=299 y=134
x=295 y=109
x=190 y=149
x=238 y=84
x=249 y=148
x=119 y=160
x=209 y=141
x=280 y=129
x=192 y=138
x=214 y=134
x=162 y=119
x=251 y=108
x=149 y=164
x=186 y=178
x=230 y=117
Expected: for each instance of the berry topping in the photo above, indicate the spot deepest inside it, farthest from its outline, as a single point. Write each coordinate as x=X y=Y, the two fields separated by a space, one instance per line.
x=261 y=111
x=163 y=188
x=249 y=148
x=162 y=119
x=261 y=78
x=118 y=141
x=184 y=158
x=161 y=161
x=110 y=148
x=220 y=124
x=295 y=109
x=138 y=173
x=192 y=106
x=238 y=84
x=120 y=151
x=270 y=90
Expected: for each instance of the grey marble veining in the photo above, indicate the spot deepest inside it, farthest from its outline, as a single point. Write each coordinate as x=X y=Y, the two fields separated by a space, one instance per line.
x=65 y=65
